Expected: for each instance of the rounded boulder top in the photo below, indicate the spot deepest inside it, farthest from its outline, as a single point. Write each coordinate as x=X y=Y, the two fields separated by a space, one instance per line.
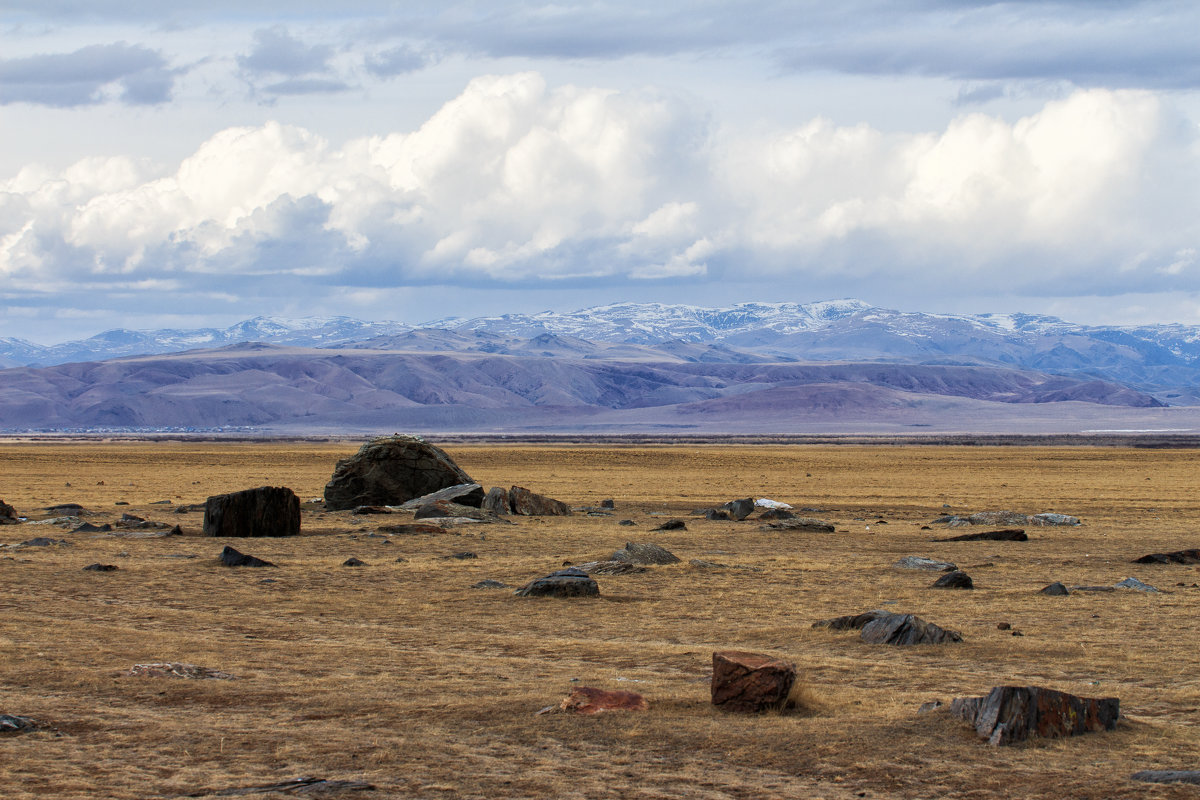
x=391 y=470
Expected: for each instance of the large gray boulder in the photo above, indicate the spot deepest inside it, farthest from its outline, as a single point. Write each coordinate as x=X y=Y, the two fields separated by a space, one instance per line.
x=389 y=471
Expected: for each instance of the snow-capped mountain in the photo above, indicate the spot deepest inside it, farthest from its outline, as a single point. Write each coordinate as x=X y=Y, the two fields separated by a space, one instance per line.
x=1163 y=360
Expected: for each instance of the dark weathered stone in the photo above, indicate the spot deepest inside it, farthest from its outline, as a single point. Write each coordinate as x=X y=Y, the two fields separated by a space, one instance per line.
x=413 y=529
x=810 y=524
x=11 y=723
x=496 y=501
x=851 y=621
x=716 y=514
x=73 y=509
x=777 y=513
x=954 y=580
x=740 y=509
x=645 y=553
x=589 y=700
x=440 y=509
x=529 y=504
x=98 y=567
x=569 y=582
x=464 y=494
x=920 y=562
x=906 y=629
x=8 y=514
x=628 y=523
x=88 y=527
x=1176 y=557
x=751 y=682
x=353 y=562
x=1006 y=535
x=608 y=504
x=490 y=584
x=45 y=541
x=307 y=787
x=463 y=556
x=672 y=525
x=266 y=511
x=1167 y=776
x=1056 y=589
x=1009 y=714
x=234 y=558
x=610 y=568
x=389 y=471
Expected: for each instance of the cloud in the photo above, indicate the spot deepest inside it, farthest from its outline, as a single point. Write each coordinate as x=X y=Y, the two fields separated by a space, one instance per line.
x=396 y=61
x=126 y=73
x=277 y=51
x=516 y=183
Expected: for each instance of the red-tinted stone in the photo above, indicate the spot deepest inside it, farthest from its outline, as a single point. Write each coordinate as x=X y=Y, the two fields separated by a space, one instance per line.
x=528 y=504
x=589 y=700
x=750 y=682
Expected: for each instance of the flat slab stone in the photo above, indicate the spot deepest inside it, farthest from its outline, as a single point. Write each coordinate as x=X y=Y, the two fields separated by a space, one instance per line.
x=235 y=558
x=176 y=669
x=645 y=553
x=1006 y=535
x=590 y=700
x=1175 y=557
x=809 y=524
x=930 y=564
x=1010 y=714
x=1168 y=776
x=11 y=723
x=464 y=494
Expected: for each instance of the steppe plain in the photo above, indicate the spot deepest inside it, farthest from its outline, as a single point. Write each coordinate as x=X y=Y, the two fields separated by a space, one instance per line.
x=400 y=674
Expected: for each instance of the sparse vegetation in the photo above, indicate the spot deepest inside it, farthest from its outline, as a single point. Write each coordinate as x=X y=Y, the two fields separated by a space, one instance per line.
x=401 y=674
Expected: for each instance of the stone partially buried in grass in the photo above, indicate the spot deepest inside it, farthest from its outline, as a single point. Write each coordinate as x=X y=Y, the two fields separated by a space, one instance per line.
x=590 y=700
x=906 y=629
x=954 y=580
x=751 y=682
x=570 y=582
x=11 y=723
x=235 y=558
x=644 y=553
x=1010 y=714
x=176 y=669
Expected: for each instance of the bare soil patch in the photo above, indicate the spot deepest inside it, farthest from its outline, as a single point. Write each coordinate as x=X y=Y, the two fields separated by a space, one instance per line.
x=402 y=675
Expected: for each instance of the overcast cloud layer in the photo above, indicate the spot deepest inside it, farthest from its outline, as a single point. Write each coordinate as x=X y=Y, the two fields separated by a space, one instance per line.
x=222 y=160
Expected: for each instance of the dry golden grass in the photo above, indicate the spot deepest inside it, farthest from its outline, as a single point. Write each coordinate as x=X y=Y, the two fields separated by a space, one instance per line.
x=400 y=674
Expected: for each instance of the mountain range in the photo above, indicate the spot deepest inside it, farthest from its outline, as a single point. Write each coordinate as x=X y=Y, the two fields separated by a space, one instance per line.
x=749 y=367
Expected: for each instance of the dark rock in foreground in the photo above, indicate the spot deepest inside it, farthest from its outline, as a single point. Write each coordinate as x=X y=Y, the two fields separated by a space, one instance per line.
x=569 y=582
x=906 y=629
x=530 y=504
x=1167 y=776
x=1006 y=535
x=954 y=580
x=266 y=511
x=645 y=553
x=751 y=682
x=1176 y=557
x=1009 y=714
x=353 y=562
x=98 y=567
x=389 y=471
x=672 y=525
x=11 y=723
x=1056 y=589
x=234 y=558
x=8 y=514
x=800 y=524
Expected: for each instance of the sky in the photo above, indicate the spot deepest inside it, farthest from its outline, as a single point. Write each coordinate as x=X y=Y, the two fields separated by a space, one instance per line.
x=196 y=163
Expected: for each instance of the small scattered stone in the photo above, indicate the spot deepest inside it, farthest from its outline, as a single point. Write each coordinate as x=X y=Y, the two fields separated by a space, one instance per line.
x=611 y=568
x=716 y=515
x=1176 y=557
x=72 y=509
x=45 y=541
x=569 y=582
x=98 y=567
x=1004 y=626
x=1006 y=535
x=88 y=527
x=932 y=705
x=414 y=529
x=1056 y=589
x=906 y=629
x=490 y=584
x=777 y=513
x=234 y=558
x=954 y=580
x=353 y=562
x=920 y=562
x=627 y=522
x=175 y=669
x=672 y=525
x=810 y=524
x=1136 y=585
x=644 y=553
x=466 y=555
x=740 y=509
x=11 y=723
x=608 y=503
x=1161 y=775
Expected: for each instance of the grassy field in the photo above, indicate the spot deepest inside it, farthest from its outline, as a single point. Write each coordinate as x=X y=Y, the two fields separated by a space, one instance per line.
x=400 y=674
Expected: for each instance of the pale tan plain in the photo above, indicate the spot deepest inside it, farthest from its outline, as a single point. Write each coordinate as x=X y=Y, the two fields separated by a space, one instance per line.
x=400 y=674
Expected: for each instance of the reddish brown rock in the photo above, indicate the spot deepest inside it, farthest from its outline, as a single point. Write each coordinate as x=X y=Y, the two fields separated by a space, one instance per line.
x=750 y=682
x=1009 y=714
x=529 y=504
x=589 y=700
x=8 y=514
